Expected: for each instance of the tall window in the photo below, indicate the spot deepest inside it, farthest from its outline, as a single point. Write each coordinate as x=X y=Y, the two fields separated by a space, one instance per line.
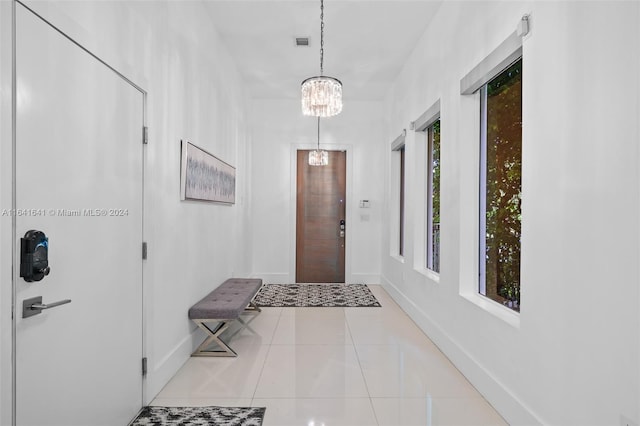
x=433 y=197
x=401 y=241
x=500 y=186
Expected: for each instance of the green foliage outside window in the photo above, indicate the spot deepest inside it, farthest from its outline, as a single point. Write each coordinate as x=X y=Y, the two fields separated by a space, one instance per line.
x=435 y=195
x=503 y=186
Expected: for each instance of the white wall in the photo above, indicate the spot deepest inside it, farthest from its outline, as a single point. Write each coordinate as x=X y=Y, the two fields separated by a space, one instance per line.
x=279 y=129
x=571 y=356
x=172 y=51
x=6 y=240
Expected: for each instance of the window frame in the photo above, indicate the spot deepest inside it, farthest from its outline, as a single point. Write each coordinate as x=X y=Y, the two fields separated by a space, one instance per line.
x=482 y=195
x=423 y=124
x=483 y=187
x=494 y=63
x=401 y=223
x=398 y=210
x=430 y=251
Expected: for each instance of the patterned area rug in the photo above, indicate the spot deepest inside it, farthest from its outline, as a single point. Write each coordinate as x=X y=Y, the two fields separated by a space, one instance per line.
x=315 y=295
x=206 y=416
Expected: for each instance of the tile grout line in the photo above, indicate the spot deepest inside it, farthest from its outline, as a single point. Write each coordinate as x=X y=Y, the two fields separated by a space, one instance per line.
x=364 y=379
x=253 y=397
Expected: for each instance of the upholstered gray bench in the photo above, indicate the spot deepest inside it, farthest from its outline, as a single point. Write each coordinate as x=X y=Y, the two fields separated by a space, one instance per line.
x=223 y=306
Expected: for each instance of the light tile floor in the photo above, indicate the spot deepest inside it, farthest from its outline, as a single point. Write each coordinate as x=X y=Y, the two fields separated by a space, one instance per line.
x=334 y=367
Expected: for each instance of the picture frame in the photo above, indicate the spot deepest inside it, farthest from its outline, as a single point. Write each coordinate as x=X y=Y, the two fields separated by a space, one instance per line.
x=204 y=177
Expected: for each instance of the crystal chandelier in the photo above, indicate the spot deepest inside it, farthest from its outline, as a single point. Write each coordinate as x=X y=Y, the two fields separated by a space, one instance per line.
x=321 y=95
x=318 y=157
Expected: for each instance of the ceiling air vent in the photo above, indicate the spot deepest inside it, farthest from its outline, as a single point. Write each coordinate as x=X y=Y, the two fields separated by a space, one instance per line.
x=302 y=41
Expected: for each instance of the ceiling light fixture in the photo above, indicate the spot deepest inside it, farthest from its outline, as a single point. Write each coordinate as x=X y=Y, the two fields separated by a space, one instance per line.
x=321 y=95
x=318 y=157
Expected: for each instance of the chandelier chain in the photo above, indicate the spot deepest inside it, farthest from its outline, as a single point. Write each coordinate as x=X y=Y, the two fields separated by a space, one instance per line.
x=318 y=133
x=321 y=37
x=321 y=95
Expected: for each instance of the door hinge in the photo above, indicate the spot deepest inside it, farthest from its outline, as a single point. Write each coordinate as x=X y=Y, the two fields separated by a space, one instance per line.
x=144 y=366
x=144 y=250
x=145 y=135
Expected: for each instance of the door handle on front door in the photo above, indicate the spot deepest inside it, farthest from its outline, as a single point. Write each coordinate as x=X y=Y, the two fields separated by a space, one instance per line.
x=34 y=306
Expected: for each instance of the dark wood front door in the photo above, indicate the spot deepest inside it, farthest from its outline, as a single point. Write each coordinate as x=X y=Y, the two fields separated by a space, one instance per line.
x=321 y=200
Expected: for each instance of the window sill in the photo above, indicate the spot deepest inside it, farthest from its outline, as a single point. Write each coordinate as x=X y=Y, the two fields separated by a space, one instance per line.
x=397 y=257
x=428 y=273
x=499 y=311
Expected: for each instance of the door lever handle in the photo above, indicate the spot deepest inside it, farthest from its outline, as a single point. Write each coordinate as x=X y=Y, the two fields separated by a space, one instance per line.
x=34 y=306
x=50 y=305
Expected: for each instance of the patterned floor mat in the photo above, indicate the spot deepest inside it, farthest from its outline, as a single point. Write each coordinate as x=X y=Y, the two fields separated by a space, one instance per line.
x=316 y=295
x=200 y=416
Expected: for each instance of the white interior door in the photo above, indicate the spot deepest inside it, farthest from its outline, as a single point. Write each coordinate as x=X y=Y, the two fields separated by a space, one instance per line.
x=79 y=170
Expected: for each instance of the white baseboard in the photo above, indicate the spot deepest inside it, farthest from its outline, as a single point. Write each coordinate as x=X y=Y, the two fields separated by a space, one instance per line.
x=164 y=369
x=241 y=275
x=364 y=279
x=282 y=278
x=514 y=411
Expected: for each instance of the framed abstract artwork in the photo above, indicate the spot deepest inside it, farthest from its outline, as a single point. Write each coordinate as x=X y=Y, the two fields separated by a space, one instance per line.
x=205 y=177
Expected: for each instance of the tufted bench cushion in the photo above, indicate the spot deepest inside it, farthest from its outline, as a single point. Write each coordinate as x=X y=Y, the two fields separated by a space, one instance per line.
x=227 y=301
x=223 y=306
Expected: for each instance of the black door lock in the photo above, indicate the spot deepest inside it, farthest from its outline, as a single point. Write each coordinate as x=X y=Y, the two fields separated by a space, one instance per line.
x=34 y=256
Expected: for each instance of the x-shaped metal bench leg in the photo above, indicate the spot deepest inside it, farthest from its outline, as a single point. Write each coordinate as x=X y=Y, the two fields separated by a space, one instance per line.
x=253 y=310
x=213 y=337
x=223 y=324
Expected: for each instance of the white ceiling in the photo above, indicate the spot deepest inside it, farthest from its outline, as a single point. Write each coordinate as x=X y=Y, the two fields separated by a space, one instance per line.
x=365 y=42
